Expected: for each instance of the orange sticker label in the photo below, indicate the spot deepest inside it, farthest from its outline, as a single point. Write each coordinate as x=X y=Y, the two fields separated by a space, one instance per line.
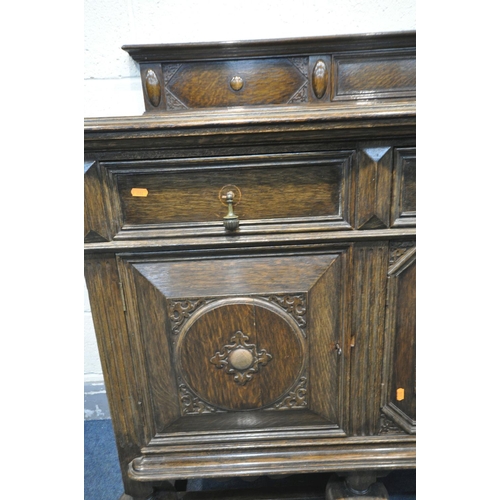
x=400 y=394
x=142 y=192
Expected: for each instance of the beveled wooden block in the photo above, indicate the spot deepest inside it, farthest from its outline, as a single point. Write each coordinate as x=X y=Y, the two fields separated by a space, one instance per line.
x=404 y=201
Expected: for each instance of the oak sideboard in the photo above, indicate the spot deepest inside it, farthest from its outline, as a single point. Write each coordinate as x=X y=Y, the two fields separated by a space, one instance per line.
x=250 y=257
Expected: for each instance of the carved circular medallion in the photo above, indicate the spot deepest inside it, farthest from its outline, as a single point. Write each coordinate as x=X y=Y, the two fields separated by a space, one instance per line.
x=240 y=353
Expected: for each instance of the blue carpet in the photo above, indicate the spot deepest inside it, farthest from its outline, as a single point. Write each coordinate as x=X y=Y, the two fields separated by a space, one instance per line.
x=103 y=478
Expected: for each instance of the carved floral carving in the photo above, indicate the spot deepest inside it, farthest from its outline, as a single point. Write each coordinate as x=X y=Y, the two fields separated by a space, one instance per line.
x=301 y=63
x=295 y=305
x=300 y=95
x=179 y=311
x=169 y=70
x=248 y=360
x=387 y=426
x=173 y=102
x=192 y=404
x=296 y=398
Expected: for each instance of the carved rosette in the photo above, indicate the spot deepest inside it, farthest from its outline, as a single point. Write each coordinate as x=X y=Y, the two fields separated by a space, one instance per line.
x=295 y=305
x=179 y=311
x=297 y=398
x=191 y=404
x=240 y=358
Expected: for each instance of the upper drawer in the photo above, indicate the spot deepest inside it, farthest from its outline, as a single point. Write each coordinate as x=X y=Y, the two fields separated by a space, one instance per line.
x=234 y=83
x=159 y=198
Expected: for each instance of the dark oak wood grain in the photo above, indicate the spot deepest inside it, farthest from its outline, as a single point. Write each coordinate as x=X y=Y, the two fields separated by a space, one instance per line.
x=286 y=345
x=293 y=188
x=379 y=76
x=263 y=82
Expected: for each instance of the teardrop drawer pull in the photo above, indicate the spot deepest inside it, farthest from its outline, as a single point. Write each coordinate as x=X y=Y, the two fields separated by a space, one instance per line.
x=231 y=221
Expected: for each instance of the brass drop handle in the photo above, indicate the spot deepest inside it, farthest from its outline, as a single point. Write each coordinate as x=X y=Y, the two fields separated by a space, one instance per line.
x=231 y=221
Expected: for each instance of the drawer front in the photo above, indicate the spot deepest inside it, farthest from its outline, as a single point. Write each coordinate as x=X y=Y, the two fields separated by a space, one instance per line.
x=278 y=192
x=234 y=83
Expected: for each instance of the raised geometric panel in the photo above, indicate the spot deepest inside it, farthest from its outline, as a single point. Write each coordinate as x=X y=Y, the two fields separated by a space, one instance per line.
x=382 y=76
x=232 y=336
x=373 y=187
x=404 y=203
x=400 y=350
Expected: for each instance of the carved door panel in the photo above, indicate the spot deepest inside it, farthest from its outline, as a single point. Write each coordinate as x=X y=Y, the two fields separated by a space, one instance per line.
x=399 y=411
x=230 y=341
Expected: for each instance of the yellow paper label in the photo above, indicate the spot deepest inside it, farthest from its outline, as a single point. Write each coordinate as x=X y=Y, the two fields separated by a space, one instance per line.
x=142 y=192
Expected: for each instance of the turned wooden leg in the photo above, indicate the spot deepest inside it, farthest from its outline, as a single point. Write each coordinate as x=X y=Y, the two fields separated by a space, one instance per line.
x=362 y=485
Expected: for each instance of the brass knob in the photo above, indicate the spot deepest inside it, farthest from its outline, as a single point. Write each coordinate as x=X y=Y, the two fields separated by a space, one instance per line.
x=241 y=359
x=236 y=83
x=231 y=221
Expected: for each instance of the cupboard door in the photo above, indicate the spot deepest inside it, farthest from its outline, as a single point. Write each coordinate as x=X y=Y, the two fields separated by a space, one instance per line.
x=231 y=342
x=400 y=352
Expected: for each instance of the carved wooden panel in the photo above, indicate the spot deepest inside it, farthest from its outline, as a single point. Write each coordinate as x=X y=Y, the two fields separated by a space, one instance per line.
x=240 y=353
x=379 y=76
x=404 y=203
x=400 y=350
x=373 y=188
x=223 y=334
x=283 y=192
x=235 y=83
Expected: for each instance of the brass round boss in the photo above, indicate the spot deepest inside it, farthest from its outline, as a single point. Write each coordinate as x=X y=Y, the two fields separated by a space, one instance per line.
x=241 y=359
x=236 y=83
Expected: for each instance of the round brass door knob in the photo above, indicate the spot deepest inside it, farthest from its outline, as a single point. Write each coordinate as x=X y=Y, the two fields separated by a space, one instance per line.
x=236 y=83
x=241 y=359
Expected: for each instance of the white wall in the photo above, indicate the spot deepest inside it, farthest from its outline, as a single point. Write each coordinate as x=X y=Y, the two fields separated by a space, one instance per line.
x=111 y=82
